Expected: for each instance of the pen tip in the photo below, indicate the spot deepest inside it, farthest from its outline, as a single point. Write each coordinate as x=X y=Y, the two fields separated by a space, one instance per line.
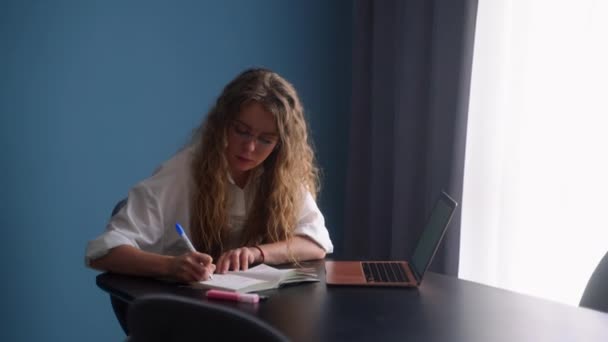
x=179 y=229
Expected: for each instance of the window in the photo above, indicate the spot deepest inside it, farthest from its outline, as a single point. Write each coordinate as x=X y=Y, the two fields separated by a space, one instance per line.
x=536 y=169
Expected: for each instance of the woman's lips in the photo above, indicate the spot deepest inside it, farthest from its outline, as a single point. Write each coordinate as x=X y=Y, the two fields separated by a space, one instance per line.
x=243 y=159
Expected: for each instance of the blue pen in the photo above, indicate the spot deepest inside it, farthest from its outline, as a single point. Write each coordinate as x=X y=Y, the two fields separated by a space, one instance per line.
x=184 y=237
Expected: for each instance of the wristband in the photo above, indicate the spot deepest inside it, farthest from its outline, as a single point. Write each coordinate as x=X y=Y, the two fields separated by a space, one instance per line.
x=261 y=253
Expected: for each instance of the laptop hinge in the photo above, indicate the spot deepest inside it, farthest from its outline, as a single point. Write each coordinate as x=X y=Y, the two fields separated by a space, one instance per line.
x=415 y=273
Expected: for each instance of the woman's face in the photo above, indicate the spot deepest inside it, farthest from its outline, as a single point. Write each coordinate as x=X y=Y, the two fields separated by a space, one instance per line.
x=252 y=137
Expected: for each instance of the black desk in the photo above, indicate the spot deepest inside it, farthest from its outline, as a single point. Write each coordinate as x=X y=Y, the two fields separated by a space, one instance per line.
x=442 y=309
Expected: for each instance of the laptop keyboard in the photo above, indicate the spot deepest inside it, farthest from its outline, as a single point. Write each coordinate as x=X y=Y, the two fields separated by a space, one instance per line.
x=384 y=272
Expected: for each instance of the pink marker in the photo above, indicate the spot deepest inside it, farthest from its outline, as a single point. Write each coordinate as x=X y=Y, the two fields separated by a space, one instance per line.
x=233 y=296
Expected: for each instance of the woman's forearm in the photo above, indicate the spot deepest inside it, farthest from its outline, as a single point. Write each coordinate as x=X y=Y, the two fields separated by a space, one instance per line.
x=299 y=247
x=130 y=260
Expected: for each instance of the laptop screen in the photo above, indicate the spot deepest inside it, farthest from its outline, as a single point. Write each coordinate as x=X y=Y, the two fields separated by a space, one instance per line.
x=432 y=234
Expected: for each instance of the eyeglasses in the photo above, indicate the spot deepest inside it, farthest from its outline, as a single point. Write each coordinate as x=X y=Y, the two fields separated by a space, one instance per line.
x=243 y=132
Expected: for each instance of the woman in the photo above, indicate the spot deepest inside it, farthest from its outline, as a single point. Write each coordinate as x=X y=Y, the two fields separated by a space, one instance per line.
x=244 y=190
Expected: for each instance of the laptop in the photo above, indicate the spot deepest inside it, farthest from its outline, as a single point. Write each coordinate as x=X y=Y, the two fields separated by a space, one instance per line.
x=397 y=273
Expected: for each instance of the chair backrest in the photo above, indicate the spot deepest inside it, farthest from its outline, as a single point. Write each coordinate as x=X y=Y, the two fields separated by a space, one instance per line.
x=165 y=317
x=596 y=293
x=118 y=206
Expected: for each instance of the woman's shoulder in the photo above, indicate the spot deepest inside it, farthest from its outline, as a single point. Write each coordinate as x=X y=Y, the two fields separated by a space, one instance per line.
x=179 y=162
x=172 y=173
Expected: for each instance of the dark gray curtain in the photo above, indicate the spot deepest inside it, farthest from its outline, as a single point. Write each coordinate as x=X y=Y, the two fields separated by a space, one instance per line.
x=411 y=74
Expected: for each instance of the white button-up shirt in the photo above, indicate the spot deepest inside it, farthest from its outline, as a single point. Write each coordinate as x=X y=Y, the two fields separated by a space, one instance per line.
x=147 y=221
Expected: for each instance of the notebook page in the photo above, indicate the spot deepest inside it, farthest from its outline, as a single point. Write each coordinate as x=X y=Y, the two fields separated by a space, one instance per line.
x=231 y=281
x=266 y=272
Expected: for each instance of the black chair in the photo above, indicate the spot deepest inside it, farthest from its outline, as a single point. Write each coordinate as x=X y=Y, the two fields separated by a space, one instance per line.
x=596 y=293
x=119 y=306
x=165 y=317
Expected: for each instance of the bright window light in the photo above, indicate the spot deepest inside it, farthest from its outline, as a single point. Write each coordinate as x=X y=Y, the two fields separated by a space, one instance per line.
x=536 y=171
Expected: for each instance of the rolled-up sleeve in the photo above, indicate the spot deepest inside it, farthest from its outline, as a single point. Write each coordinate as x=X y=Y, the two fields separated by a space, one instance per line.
x=311 y=224
x=137 y=224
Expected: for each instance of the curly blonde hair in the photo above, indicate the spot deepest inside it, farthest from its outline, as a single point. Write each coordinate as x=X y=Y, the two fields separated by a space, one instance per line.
x=289 y=170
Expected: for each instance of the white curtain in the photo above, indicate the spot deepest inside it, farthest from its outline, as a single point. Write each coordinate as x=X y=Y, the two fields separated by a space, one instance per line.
x=535 y=200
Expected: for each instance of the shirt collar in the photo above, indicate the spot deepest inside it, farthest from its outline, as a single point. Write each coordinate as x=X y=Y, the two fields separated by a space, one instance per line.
x=256 y=173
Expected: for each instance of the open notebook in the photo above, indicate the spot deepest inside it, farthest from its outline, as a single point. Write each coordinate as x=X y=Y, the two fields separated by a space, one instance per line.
x=258 y=278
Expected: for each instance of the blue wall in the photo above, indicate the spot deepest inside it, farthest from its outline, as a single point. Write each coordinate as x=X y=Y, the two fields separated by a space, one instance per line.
x=95 y=94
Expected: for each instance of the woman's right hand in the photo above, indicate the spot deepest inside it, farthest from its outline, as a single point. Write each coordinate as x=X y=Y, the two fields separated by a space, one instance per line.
x=192 y=266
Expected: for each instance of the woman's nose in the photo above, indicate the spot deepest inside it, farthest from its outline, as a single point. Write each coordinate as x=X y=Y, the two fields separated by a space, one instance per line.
x=250 y=144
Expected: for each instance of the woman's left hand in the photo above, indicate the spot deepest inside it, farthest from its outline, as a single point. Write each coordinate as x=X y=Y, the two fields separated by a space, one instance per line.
x=237 y=259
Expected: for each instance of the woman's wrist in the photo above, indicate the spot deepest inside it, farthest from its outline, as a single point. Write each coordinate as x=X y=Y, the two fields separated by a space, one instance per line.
x=166 y=265
x=261 y=257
